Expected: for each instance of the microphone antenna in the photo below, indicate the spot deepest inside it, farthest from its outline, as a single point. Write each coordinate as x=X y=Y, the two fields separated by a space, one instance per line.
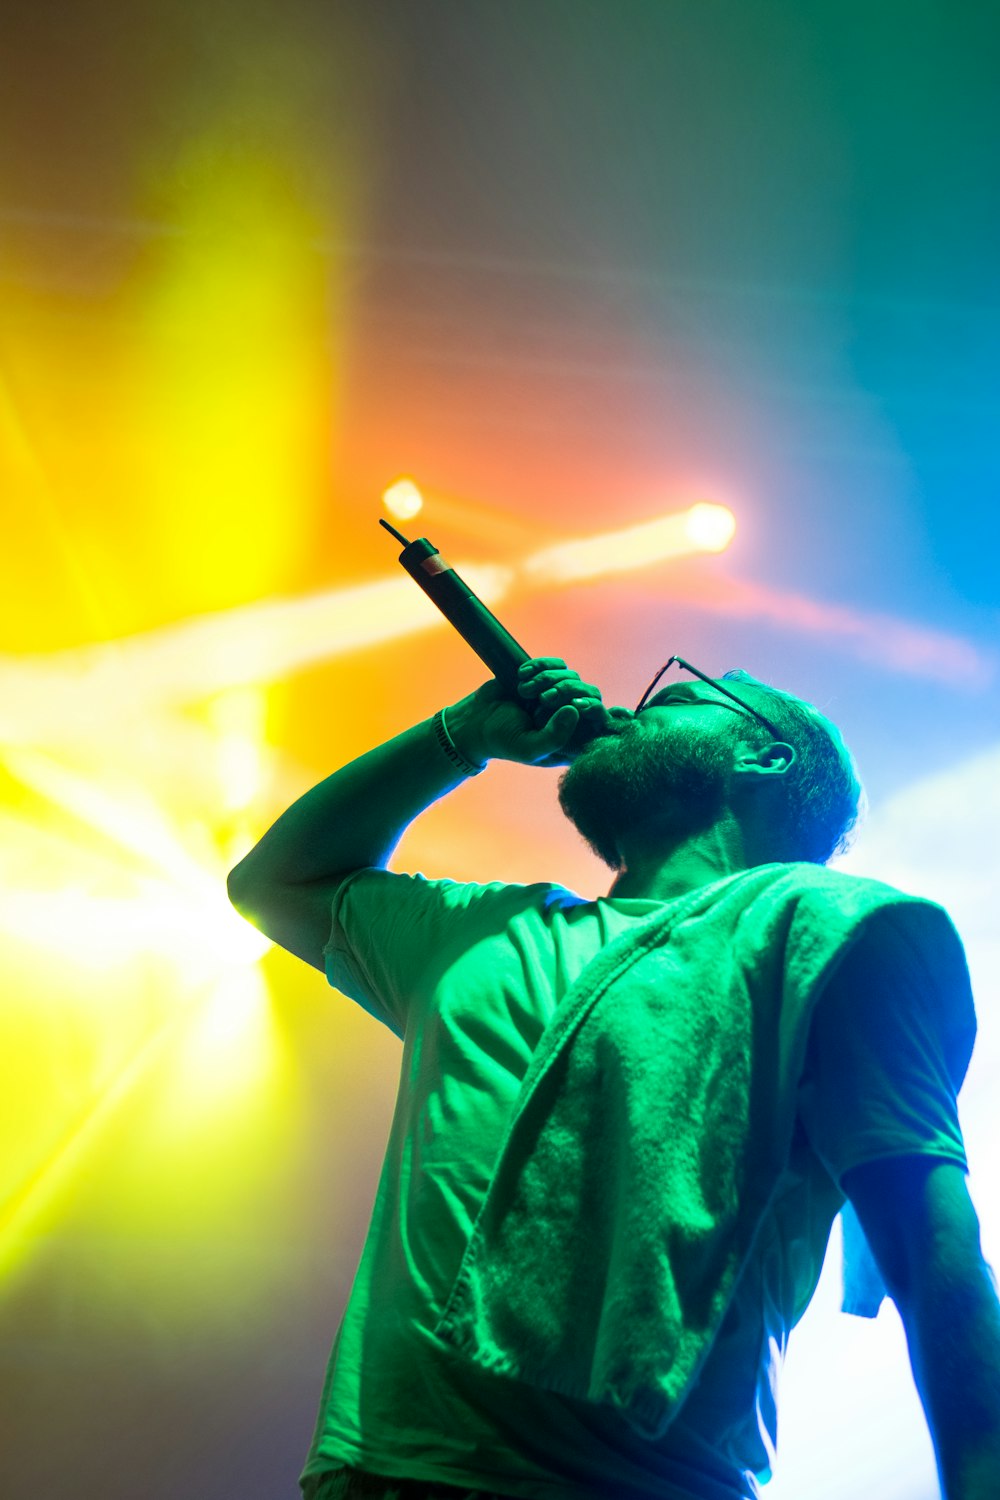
x=397 y=534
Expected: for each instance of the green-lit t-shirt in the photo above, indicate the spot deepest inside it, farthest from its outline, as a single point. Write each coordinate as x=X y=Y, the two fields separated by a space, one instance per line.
x=469 y=976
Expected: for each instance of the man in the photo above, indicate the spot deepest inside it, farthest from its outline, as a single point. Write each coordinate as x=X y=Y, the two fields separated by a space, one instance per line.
x=624 y=1126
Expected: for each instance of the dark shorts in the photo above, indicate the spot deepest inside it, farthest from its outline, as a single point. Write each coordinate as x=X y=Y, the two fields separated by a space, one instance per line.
x=355 y=1484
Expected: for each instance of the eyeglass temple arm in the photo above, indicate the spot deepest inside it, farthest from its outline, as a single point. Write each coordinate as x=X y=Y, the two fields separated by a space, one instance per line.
x=665 y=668
x=712 y=682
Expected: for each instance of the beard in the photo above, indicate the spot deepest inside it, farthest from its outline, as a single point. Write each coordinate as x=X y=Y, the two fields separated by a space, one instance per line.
x=645 y=788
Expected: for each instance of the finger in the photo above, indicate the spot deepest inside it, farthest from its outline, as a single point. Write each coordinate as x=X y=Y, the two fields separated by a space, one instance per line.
x=555 y=678
x=539 y=664
x=570 y=690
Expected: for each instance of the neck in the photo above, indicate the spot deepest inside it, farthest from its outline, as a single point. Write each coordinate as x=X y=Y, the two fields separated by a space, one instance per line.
x=694 y=861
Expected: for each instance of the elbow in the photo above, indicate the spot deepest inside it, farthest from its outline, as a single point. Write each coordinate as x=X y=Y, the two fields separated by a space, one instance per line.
x=238 y=887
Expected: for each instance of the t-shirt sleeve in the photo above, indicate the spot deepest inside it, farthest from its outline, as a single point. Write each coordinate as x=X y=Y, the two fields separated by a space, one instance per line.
x=389 y=930
x=889 y=1045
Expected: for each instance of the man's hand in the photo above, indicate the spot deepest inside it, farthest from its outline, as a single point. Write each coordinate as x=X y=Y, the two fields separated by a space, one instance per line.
x=354 y=819
x=489 y=725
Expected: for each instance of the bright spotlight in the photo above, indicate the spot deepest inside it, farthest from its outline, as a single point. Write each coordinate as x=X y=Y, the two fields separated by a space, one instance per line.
x=403 y=500
x=710 y=527
x=701 y=528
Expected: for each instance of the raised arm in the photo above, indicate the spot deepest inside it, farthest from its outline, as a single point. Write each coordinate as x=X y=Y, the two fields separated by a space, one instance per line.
x=923 y=1231
x=356 y=817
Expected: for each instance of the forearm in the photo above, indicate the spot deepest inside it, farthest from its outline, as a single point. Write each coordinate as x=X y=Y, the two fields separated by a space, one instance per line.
x=355 y=817
x=953 y=1333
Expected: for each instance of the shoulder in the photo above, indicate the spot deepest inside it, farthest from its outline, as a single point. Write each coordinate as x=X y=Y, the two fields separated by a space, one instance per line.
x=898 y=971
x=809 y=918
x=818 y=884
x=858 y=908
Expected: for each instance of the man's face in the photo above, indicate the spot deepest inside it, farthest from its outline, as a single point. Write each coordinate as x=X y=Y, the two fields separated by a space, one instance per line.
x=663 y=776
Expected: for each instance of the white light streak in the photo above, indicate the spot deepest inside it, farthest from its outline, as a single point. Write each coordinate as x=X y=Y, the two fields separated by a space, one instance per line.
x=677 y=535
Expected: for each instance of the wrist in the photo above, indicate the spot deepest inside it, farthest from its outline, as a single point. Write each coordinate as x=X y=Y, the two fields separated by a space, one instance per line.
x=460 y=724
x=461 y=758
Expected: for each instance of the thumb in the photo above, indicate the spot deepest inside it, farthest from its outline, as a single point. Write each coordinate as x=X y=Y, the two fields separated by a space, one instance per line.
x=560 y=728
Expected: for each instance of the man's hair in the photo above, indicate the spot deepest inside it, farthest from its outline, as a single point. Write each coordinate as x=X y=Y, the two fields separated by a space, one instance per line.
x=824 y=796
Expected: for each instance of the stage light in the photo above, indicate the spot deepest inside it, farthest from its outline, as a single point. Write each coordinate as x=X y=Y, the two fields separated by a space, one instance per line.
x=710 y=527
x=165 y=899
x=702 y=528
x=403 y=500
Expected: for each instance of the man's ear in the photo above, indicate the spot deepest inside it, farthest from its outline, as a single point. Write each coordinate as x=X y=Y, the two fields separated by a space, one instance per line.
x=771 y=760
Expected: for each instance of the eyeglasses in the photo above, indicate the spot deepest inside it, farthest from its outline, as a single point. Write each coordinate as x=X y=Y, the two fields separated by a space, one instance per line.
x=687 y=667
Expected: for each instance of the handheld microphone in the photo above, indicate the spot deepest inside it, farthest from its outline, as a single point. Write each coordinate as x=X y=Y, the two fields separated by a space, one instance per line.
x=474 y=622
x=480 y=627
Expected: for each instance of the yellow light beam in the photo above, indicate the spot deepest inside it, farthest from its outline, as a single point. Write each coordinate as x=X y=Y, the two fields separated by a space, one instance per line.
x=67 y=695
x=131 y=818
x=41 y=1186
x=197 y=938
